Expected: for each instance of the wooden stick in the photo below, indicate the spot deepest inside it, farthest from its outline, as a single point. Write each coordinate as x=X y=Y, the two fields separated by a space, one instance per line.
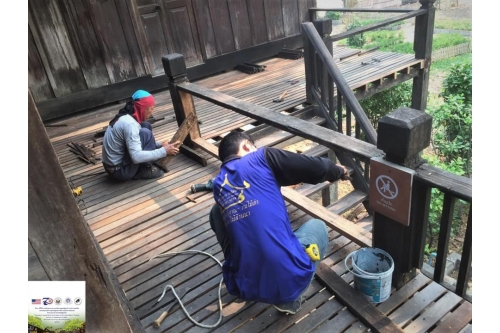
x=180 y=135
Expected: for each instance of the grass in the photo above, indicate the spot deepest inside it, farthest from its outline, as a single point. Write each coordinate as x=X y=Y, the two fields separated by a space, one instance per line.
x=453 y=24
x=445 y=64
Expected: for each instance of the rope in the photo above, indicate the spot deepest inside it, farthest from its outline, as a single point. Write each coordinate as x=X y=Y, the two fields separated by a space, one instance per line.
x=178 y=298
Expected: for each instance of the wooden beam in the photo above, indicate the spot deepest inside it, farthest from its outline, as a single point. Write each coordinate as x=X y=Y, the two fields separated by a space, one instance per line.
x=331 y=139
x=345 y=227
x=355 y=301
x=180 y=135
x=63 y=241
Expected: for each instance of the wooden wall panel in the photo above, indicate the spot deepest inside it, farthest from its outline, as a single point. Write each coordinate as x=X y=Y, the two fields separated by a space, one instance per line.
x=205 y=28
x=38 y=82
x=55 y=49
x=82 y=35
x=274 y=19
x=112 y=41
x=181 y=30
x=240 y=23
x=257 y=16
x=223 y=30
x=132 y=41
x=155 y=39
x=290 y=17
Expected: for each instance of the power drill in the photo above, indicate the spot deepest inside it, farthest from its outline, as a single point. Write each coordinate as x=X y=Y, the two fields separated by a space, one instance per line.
x=202 y=187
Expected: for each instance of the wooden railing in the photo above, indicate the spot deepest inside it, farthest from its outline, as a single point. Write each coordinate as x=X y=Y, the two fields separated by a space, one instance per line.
x=409 y=127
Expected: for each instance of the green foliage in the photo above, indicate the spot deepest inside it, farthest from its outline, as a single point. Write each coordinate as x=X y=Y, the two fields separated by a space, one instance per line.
x=452 y=127
x=383 y=39
x=73 y=324
x=437 y=200
x=357 y=40
x=333 y=15
x=386 y=101
x=459 y=82
x=446 y=64
x=454 y=24
x=35 y=321
x=446 y=40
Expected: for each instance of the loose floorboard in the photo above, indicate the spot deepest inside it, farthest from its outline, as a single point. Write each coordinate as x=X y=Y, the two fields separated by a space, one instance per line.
x=137 y=221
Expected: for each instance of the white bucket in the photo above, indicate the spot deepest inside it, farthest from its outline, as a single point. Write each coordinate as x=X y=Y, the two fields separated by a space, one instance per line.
x=372 y=269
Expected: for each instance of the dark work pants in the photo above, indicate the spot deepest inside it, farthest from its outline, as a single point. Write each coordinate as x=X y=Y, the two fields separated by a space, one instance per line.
x=128 y=169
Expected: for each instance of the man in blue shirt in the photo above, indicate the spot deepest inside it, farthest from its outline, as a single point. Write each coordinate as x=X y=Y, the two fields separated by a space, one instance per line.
x=265 y=260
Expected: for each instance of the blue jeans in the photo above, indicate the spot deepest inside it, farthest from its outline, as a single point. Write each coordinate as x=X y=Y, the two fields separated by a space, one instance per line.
x=313 y=231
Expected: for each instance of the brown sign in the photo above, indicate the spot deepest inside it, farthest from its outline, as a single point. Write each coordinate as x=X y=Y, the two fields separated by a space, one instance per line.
x=390 y=189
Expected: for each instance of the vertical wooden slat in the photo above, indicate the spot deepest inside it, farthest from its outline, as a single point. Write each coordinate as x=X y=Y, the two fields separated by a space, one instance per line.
x=222 y=23
x=240 y=22
x=82 y=34
x=357 y=130
x=444 y=237
x=257 y=16
x=205 y=28
x=340 y=121
x=274 y=19
x=55 y=48
x=38 y=81
x=290 y=17
x=466 y=260
x=348 y=120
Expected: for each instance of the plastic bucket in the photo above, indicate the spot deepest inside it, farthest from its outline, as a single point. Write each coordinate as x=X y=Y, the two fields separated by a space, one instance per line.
x=372 y=269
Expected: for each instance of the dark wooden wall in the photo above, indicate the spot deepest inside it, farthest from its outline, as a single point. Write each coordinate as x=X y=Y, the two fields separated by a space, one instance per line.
x=85 y=53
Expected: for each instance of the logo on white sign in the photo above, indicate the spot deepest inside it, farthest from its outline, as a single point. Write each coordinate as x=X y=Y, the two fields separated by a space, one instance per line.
x=387 y=187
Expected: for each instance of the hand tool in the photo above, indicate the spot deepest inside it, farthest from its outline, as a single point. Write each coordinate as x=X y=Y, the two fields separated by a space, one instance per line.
x=164 y=314
x=281 y=98
x=312 y=251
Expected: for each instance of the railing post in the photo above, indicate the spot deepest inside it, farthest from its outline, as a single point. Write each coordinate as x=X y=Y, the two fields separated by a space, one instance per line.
x=175 y=68
x=309 y=67
x=402 y=135
x=422 y=45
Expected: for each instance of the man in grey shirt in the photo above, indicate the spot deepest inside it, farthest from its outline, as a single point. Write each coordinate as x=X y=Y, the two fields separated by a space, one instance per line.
x=129 y=147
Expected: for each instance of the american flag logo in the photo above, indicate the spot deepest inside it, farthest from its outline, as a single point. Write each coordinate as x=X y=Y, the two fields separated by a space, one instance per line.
x=36 y=301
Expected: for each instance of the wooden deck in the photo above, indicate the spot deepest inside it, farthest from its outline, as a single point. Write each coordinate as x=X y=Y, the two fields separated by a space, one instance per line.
x=137 y=220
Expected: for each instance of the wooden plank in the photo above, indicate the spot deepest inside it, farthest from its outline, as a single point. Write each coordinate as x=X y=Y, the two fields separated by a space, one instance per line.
x=317 y=317
x=57 y=54
x=55 y=221
x=205 y=28
x=347 y=202
x=290 y=17
x=35 y=269
x=180 y=135
x=456 y=320
x=257 y=20
x=338 y=323
x=433 y=314
x=445 y=181
x=401 y=295
x=416 y=304
x=223 y=36
x=355 y=301
x=274 y=20
x=38 y=82
x=240 y=23
x=84 y=39
x=112 y=41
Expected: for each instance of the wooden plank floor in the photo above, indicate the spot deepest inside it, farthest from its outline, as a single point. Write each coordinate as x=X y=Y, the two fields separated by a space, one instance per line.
x=137 y=220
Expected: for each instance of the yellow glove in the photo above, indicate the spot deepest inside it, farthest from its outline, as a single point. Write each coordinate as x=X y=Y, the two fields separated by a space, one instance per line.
x=313 y=252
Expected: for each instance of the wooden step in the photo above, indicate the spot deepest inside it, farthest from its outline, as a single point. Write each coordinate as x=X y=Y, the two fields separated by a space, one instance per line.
x=347 y=202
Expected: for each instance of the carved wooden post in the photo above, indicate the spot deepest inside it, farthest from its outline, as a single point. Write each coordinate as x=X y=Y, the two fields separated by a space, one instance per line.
x=63 y=241
x=175 y=68
x=402 y=135
x=424 y=30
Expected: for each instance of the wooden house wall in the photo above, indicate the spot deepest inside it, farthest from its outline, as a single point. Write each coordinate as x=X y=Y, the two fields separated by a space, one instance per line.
x=85 y=53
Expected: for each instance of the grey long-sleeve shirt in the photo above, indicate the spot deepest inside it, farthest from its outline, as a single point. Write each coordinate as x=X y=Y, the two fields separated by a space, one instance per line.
x=125 y=135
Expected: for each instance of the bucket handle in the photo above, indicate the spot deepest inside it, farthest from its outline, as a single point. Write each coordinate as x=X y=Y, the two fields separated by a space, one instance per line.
x=356 y=274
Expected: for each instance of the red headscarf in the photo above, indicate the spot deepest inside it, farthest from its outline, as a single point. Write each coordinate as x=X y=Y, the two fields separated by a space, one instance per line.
x=140 y=105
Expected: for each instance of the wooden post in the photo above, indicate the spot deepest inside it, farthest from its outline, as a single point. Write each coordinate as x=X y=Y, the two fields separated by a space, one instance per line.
x=63 y=241
x=309 y=67
x=402 y=135
x=175 y=68
x=424 y=30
